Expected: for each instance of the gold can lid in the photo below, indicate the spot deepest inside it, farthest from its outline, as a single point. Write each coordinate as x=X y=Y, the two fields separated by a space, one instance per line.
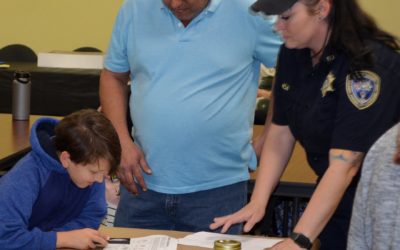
x=227 y=245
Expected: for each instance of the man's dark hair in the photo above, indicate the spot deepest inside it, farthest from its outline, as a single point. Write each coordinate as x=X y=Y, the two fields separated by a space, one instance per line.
x=87 y=135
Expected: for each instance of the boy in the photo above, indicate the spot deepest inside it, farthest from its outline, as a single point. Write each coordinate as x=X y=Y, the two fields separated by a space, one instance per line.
x=54 y=196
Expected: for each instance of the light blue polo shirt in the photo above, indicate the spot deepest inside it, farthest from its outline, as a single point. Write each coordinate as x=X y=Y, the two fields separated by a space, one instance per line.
x=193 y=89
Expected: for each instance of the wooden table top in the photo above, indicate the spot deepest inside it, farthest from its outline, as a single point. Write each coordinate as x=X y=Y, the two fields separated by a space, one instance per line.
x=14 y=136
x=118 y=232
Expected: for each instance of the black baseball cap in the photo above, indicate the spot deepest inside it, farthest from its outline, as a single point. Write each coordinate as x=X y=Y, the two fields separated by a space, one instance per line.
x=272 y=7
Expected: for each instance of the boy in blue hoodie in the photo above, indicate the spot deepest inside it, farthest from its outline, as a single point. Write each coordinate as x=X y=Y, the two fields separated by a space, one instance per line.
x=54 y=197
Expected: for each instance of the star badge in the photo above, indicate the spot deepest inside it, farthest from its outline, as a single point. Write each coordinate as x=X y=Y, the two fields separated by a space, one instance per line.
x=328 y=84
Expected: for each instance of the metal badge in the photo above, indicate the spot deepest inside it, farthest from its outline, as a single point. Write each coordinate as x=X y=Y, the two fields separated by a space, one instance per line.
x=363 y=92
x=285 y=86
x=328 y=84
x=330 y=58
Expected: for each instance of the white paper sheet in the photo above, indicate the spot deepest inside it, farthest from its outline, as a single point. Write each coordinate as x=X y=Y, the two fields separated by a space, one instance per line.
x=206 y=239
x=153 y=242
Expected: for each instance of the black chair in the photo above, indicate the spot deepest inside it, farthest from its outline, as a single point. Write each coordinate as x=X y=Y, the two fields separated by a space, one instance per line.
x=17 y=53
x=87 y=49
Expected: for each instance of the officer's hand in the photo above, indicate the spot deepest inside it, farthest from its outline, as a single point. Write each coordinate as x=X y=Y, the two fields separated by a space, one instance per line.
x=287 y=244
x=132 y=165
x=251 y=214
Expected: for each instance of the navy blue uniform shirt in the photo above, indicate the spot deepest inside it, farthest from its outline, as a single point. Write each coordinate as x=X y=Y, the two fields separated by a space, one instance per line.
x=324 y=108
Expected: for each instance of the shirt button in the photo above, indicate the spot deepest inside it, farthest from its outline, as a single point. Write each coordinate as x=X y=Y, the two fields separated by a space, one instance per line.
x=180 y=25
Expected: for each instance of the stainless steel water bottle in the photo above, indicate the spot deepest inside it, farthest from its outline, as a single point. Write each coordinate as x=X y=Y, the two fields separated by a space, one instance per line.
x=21 y=95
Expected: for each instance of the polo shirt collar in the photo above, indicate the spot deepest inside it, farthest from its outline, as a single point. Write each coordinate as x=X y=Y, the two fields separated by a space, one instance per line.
x=212 y=6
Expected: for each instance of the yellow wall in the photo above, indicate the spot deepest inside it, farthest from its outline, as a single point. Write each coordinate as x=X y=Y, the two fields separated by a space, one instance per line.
x=47 y=25
x=385 y=13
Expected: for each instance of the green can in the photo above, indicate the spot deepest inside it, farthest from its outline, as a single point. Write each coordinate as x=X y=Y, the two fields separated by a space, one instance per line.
x=227 y=245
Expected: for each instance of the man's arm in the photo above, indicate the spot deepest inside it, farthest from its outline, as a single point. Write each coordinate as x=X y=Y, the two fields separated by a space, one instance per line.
x=258 y=142
x=114 y=103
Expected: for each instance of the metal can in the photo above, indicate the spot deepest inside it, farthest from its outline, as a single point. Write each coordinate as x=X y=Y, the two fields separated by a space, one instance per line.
x=227 y=245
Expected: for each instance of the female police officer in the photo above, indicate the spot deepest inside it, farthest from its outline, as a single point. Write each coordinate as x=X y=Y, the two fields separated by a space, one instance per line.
x=337 y=90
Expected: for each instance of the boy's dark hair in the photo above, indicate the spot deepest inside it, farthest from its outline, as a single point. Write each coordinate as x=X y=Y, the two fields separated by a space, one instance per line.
x=87 y=135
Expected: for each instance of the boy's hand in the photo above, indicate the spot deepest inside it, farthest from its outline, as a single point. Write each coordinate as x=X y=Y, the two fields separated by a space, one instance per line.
x=81 y=239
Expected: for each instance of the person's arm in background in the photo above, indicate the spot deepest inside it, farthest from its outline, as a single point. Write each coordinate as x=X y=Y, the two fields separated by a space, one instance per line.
x=114 y=104
x=266 y=51
x=275 y=156
x=258 y=142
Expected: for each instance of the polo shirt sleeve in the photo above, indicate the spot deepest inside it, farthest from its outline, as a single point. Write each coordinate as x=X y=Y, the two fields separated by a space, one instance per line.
x=279 y=105
x=116 y=59
x=358 y=128
x=268 y=41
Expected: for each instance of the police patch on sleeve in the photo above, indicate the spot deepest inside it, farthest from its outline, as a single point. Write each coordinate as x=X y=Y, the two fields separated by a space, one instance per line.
x=363 y=92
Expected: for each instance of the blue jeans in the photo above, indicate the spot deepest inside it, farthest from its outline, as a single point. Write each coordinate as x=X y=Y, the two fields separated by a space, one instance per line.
x=190 y=212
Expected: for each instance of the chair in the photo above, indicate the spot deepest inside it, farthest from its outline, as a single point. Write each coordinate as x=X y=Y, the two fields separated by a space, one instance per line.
x=17 y=53
x=87 y=49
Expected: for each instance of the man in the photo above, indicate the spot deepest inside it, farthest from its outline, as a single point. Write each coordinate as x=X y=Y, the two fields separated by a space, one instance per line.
x=194 y=66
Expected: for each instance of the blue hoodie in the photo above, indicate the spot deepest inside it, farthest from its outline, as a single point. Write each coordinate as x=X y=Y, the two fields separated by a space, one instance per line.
x=38 y=198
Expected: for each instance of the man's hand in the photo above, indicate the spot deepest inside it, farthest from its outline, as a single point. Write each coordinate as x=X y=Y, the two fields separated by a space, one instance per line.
x=81 y=239
x=132 y=165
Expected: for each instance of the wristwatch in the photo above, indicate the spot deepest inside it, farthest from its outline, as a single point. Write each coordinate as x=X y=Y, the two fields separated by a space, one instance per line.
x=301 y=240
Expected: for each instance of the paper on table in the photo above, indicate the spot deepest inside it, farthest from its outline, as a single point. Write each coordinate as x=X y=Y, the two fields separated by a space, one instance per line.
x=206 y=239
x=152 y=242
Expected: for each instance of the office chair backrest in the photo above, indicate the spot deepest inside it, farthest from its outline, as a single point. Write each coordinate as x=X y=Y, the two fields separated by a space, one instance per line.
x=87 y=49
x=17 y=53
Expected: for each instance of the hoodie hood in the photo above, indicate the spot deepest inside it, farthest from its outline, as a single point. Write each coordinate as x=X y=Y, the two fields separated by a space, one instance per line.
x=41 y=139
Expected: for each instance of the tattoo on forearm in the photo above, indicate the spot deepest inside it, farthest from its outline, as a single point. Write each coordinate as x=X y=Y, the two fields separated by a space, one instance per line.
x=354 y=158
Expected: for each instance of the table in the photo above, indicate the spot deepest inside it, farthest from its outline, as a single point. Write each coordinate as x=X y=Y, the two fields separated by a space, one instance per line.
x=14 y=142
x=117 y=232
x=54 y=91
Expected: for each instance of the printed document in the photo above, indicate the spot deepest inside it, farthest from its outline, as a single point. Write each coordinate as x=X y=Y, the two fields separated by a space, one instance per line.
x=206 y=239
x=153 y=242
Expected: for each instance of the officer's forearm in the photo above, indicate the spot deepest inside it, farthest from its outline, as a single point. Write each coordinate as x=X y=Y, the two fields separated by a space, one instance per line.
x=344 y=165
x=275 y=156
